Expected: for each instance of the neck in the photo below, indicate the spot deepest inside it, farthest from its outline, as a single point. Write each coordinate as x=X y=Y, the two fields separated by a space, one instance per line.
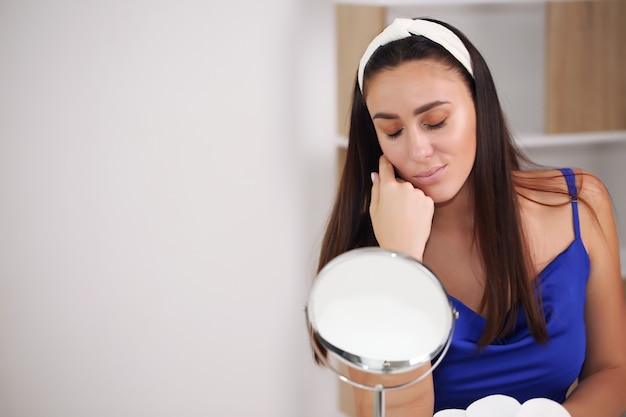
x=456 y=213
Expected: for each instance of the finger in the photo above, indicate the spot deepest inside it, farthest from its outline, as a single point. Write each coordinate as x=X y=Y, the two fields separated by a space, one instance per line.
x=385 y=169
x=375 y=190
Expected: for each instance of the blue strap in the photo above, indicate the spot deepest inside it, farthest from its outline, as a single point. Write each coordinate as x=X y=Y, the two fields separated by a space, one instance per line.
x=570 y=178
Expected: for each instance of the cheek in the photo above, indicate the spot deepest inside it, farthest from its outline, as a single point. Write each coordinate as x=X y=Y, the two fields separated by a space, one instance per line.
x=393 y=151
x=470 y=145
x=466 y=143
x=465 y=139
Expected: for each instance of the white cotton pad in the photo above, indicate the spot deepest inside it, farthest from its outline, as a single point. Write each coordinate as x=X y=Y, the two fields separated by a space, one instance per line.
x=494 y=406
x=451 y=412
x=542 y=407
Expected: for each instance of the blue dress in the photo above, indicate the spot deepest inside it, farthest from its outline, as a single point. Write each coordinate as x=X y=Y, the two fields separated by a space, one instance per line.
x=516 y=365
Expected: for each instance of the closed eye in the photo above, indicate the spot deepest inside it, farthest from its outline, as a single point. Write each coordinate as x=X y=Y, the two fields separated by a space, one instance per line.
x=395 y=134
x=435 y=126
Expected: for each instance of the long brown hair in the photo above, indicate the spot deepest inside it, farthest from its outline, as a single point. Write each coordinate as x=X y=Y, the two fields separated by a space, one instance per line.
x=497 y=227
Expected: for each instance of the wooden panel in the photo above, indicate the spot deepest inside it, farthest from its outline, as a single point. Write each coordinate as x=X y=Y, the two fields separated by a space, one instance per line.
x=356 y=27
x=586 y=61
x=346 y=399
x=340 y=161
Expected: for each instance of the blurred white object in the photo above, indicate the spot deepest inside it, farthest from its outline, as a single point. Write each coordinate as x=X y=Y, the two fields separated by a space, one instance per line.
x=504 y=406
x=542 y=407
x=494 y=406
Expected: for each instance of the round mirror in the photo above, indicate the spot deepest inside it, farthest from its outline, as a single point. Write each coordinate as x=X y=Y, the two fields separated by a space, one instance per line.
x=381 y=312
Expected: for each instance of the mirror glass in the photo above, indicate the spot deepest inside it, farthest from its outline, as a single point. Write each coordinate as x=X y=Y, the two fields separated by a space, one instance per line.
x=380 y=311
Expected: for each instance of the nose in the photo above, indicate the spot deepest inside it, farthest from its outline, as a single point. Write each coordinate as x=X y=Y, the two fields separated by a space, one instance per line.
x=419 y=144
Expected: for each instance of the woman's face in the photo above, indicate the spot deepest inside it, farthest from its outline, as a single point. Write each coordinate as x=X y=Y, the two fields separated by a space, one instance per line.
x=425 y=121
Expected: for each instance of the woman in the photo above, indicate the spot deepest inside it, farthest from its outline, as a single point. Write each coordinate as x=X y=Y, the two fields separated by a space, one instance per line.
x=529 y=256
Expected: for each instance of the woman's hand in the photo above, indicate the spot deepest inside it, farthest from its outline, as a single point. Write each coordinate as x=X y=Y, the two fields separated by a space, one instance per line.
x=401 y=214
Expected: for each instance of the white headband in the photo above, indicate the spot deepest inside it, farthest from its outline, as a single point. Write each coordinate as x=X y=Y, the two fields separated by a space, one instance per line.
x=403 y=28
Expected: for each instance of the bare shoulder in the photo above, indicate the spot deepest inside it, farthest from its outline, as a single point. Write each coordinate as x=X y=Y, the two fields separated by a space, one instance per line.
x=546 y=210
x=546 y=213
x=591 y=189
x=596 y=213
x=548 y=186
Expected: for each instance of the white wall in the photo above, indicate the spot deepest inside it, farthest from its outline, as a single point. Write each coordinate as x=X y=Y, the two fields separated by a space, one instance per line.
x=165 y=169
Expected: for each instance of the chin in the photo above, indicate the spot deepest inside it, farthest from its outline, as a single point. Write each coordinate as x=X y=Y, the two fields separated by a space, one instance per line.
x=440 y=197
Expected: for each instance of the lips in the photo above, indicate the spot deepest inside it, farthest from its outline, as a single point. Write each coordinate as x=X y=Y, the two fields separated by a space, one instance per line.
x=430 y=176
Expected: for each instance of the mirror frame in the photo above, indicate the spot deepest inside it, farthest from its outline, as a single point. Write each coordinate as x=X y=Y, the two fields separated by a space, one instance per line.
x=334 y=357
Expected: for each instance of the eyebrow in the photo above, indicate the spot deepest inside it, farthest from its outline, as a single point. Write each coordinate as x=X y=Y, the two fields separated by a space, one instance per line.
x=419 y=110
